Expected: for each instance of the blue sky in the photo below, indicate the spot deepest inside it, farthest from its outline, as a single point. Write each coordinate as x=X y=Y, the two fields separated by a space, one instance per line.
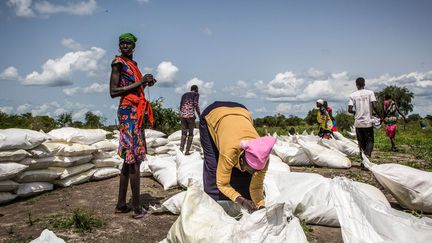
x=272 y=56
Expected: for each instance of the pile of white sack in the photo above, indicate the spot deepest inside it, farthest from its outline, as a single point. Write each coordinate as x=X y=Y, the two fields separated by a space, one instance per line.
x=33 y=162
x=309 y=149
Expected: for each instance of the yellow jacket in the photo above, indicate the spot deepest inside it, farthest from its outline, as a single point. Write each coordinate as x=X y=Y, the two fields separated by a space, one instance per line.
x=228 y=126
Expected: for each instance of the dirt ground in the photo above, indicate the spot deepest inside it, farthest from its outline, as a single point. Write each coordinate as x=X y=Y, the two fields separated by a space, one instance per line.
x=24 y=220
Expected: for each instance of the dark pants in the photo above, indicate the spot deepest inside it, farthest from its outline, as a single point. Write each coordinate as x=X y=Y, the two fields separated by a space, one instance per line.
x=365 y=138
x=130 y=172
x=240 y=181
x=187 y=127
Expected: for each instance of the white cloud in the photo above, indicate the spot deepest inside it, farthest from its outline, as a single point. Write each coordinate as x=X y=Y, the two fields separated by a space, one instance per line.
x=317 y=89
x=204 y=88
x=42 y=110
x=56 y=72
x=70 y=91
x=261 y=110
x=22 y=7
x=6 y=109
x=80 y=114
x=207 y=31
x=95 y=88
x=80 y=8
x=148 y=69
x=59 y=111
x=71 y=44
x=10 y=73
x=166 y=72
x=23 y=108
x=25 y=8
x=241 y=89
x=284 y=84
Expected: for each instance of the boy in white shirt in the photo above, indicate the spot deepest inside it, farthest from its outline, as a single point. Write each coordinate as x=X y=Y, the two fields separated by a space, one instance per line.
x=361 y=103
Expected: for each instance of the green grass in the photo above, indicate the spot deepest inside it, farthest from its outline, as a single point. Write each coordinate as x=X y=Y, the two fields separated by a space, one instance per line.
x=81 y=221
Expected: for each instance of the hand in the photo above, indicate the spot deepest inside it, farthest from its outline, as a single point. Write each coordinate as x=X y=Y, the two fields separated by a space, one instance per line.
x=148 y=79
x=247 y=204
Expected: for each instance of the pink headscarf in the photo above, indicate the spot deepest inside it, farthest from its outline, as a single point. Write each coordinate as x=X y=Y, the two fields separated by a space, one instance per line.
x=257 y=151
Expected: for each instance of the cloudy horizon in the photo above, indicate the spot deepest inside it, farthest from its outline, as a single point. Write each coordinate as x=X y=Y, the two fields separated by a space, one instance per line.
x=278 y=64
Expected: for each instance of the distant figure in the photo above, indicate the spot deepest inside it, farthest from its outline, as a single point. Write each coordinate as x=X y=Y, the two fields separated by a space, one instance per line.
x=292 y=131
x=361 y=103
x=390 y=119
x=236 y=158
x=188 y=105
x=330 y=112
x=422 y=123
x=324 y=120
x=128 y=83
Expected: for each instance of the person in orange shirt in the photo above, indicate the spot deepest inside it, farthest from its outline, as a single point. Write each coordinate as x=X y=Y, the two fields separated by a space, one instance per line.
x=235 y=156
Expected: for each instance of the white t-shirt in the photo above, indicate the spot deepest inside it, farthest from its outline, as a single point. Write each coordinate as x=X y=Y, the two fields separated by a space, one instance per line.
x=361 y=101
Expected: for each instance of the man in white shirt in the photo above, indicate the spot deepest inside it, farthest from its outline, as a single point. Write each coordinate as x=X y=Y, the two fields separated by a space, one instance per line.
x=361 y=103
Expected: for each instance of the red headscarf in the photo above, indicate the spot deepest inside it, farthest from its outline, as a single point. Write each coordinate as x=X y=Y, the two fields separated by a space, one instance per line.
x=143 y=105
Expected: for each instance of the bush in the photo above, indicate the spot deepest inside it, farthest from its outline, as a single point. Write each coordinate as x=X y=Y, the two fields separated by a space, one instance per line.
x=344 y=120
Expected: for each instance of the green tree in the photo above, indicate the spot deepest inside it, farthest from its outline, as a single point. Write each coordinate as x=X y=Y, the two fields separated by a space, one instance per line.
x=166 y=120
x=344 y=120
x=413 y=117
x=64 y=119
x=44 y=123
x=311 y=117
x=401 y=95
x=93 y=121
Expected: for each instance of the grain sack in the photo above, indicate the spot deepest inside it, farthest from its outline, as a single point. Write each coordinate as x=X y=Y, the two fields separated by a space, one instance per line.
x=150 y=133
x=38 y=163
x=159 y=142
x=189 y=167
x=6 y=197
x=363 y=219
x=76 y=179
x=323 y=156
x=339 y=145
x=106 y=145
x=8 y=185
x=68 y=149
x=33 y=188
x=63 y=161
x=78 y=135
x=291 y=153
x=163 y=149
x=17 y=138
x=41 y=151
x=10 y=169
x=13 y=155
x=65 y=172
x=43 y=175
x=144 y=168
x=172 y=205
x=164 y=171
x=411 y=187
x=105 y=155
x=203 y=220
x=276 y=164
x=47 y=236
x=108 y=162
x=177 y=135
x=103 y=173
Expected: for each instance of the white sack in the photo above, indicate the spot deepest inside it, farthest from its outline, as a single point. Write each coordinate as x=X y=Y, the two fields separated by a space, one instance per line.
x=17 y=138
x=68 y=149
x=104 y=173
x=150 y=133
x=65 y=172
x=162 y=149
x=411 y=187
x=172 y=205
x=47 y=236
x=276 y=164
x=8 y=185
x=324 y=157
x=203 y=220
x=164 y=171
x=144 y=168
x=106 y=145
x=13 y=155
x=108 y=162
x=177 y=135
x=38 y=163
x=7 y=197
x=291 y=153
x=365 y=220
x=340 y=146
x=105 y=154
x=43 y=175
x=78 y=135
x=76 y=179
x=10 y=169
x=62 y=161
x=159 y=142
x=189 y=167
x=33 y=188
